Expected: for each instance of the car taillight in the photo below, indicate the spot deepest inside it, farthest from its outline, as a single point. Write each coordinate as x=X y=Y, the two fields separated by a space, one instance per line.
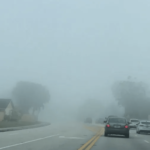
x=126 y=126
x=108 y=125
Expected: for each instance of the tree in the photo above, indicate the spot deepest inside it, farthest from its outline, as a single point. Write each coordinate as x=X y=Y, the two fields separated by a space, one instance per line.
x=29 y=95
x=133 y=96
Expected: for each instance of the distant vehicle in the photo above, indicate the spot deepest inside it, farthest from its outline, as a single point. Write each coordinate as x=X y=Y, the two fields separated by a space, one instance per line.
x=108 y=118
x=143 y=126
x=133 y=123
x=88 y=120
x=117 y=125
x=99 y=120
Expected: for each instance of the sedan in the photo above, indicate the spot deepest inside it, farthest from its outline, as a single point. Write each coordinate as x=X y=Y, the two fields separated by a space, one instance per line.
x=117 y=126
x=143 y=126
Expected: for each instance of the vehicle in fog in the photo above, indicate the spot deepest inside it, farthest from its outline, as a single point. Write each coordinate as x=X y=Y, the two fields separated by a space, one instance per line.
x=133 y=123
x=117 y=125
x=88 y=120
x=108 y=118
x=143 y=126
x=99 y=120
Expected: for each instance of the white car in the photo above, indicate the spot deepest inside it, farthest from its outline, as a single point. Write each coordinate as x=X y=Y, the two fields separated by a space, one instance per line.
x=143 y=126
x=133 y=123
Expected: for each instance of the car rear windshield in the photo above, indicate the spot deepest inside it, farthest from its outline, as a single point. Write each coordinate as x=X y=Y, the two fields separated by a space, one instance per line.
x=117 y=120
x=146 y=123
x=134 y=121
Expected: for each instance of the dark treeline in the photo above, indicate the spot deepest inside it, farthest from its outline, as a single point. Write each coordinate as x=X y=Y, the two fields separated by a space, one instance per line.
x=134 y=97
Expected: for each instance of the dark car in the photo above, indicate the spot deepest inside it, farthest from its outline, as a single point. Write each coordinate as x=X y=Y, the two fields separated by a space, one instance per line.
x=88 y=120
x=117 y=126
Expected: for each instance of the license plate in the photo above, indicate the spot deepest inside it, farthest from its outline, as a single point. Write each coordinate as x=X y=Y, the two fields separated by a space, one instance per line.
x=116 y=126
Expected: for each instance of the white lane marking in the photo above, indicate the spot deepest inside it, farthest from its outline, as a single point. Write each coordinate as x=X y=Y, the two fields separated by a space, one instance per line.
x=70 y=137
x=146 y=141
x=28 y=141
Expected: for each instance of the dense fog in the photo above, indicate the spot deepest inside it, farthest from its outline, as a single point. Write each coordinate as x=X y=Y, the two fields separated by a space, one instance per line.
x=77 y=50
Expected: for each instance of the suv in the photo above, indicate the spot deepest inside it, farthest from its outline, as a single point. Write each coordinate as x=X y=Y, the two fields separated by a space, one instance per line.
x=133 y=123
x=143 y=126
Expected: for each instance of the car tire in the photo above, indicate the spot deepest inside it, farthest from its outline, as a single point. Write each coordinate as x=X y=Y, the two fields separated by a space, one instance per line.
x=127 y=135
x=105 y=134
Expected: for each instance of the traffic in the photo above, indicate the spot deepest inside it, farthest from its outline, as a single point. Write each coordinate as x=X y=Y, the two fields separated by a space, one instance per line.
x=115 y=125
x=116 y=132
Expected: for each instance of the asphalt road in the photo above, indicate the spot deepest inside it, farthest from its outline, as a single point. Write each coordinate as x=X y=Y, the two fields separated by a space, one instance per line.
x=71 y=136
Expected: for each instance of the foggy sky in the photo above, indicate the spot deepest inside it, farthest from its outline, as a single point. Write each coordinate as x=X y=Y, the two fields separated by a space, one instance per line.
x=77 y=48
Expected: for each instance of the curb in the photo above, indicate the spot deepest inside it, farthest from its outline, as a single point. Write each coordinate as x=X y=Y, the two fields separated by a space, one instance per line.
x=24 y=127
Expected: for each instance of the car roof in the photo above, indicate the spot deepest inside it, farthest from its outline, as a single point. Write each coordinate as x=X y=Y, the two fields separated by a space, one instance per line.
x=144 y=120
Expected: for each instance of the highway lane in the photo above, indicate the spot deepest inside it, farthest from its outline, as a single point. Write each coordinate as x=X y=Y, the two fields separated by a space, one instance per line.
x=54 y=137
x=135 y=142
x=113 y=142
x=71 y=136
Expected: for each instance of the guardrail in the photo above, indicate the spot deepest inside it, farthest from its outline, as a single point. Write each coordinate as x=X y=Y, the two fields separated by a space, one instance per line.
x=24 y=127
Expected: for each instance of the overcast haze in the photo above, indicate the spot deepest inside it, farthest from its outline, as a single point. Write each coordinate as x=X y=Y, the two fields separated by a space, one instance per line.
x=77 y=48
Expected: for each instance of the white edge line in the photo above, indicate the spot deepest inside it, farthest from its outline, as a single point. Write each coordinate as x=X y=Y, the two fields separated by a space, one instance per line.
x=146 y=141
x=29 y=141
